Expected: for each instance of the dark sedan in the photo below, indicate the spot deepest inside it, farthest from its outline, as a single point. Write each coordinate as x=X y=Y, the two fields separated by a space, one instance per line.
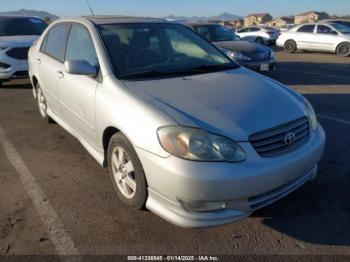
x=248 y=54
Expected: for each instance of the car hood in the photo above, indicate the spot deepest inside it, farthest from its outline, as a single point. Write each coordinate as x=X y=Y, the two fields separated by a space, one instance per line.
x=18 y=40
x=243 y=47
x=235 y=103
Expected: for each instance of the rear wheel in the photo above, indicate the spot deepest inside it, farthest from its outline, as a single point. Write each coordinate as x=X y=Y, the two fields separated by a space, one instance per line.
x=42 y=105
x=290 y=46
x=343 y=49
x=126 y=172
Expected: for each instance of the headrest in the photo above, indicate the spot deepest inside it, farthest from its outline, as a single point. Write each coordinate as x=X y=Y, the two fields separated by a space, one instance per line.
x=142 y=40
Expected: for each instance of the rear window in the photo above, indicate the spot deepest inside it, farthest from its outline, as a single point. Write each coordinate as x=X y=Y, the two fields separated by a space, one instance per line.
x=306 y=29
x=21 y=26
x=55 y=41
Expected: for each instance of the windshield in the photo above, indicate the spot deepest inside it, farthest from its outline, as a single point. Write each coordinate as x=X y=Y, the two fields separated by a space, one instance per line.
x=21 y=26
x=342 y=28
x=142 y=49
x=216 y=33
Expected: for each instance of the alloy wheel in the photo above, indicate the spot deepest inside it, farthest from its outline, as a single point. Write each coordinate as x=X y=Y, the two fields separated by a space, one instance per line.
x=123 y=172
x=41 y=103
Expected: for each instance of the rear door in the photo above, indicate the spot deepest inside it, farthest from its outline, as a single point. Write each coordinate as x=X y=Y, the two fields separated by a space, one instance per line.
x=50 y=62
x=305 y=37
x=77 y=92
x=327 y=38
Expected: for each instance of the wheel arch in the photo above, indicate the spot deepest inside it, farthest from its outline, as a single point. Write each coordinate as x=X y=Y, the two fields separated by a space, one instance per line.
x=106 y=137
x=343 y=42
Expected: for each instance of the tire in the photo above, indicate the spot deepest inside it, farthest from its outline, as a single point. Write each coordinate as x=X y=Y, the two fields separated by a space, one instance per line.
x=290 y=46
x=343 y=49
x=126 y=172
x=259 y=40
x=42 y=105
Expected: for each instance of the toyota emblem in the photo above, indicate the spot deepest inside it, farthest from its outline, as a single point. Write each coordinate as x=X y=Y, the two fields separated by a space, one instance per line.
x=289 y=139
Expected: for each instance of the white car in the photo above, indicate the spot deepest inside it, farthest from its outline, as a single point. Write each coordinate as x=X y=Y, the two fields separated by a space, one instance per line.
x=260 y=34
x=326 y=37
x=17 y=34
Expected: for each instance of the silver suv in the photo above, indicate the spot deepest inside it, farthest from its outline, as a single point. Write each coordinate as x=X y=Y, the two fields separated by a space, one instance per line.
x=183 y=130
x=17 y=34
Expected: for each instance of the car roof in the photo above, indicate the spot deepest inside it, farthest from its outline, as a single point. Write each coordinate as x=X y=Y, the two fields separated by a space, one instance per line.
x=200 y=23
x=123 y=19
x=19 y=16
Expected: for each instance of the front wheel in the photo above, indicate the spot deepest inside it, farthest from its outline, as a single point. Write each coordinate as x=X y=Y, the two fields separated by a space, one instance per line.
x=126 y=172
x=343 y=49
x=290 y=46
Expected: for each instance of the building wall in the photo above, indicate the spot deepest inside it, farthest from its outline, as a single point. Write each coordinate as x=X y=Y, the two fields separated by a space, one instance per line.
x=256 y=20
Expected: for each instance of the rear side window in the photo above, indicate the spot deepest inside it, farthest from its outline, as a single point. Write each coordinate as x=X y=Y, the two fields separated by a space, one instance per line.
x=306 y=29
x=322 y=29
x=80 y=45
x=254 y=29
x=56 y=41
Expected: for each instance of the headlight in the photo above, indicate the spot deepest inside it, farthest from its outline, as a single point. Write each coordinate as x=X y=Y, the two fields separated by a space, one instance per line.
x=272 y=54
x=236 y=55
x=196 y=144
x=310 y=112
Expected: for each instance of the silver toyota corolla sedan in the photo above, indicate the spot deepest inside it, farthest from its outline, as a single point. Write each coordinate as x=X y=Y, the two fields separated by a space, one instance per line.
x=183 y=130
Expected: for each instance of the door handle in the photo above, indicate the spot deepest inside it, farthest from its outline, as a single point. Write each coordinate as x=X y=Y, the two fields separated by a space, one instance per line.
x=60 y=74
x=38 y=61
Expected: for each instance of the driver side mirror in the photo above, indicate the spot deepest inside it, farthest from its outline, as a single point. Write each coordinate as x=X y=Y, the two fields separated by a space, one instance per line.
x=334 y=33
x=80 y=67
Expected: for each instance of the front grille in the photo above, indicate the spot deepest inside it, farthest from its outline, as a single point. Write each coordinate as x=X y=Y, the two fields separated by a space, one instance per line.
x=273 y=141
x=260 y=56
x=20 y=53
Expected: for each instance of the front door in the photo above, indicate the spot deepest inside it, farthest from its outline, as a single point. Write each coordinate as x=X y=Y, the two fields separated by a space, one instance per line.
x=77 y=92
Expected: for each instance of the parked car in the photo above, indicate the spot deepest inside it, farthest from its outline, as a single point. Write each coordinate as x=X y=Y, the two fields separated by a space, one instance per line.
x=260 y=34
x=334 y=38
x=183 y=130
x=345 y=22
x=251 y=55
x=17 y=34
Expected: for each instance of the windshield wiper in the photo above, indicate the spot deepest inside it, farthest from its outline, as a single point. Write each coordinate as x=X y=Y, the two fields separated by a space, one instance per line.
x=146 y=73
x=219 y=67
x=186 y=71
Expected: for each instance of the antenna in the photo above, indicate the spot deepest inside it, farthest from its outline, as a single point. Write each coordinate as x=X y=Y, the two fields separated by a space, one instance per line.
x=92 y=12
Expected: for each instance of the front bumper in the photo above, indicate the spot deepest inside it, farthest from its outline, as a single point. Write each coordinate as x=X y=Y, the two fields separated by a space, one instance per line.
x=244 y=186
x=260 y=65
x=17 y=68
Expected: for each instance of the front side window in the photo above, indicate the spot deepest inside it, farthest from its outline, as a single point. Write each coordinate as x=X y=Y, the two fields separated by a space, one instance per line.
x=12 y=26
x=244 y=30
x=153 y=48
x=216 y=33
x=306 y=29
x=80 y=45
x=56 y=40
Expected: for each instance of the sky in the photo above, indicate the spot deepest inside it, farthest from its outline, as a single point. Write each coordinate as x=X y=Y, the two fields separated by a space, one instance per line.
x=158 y=8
